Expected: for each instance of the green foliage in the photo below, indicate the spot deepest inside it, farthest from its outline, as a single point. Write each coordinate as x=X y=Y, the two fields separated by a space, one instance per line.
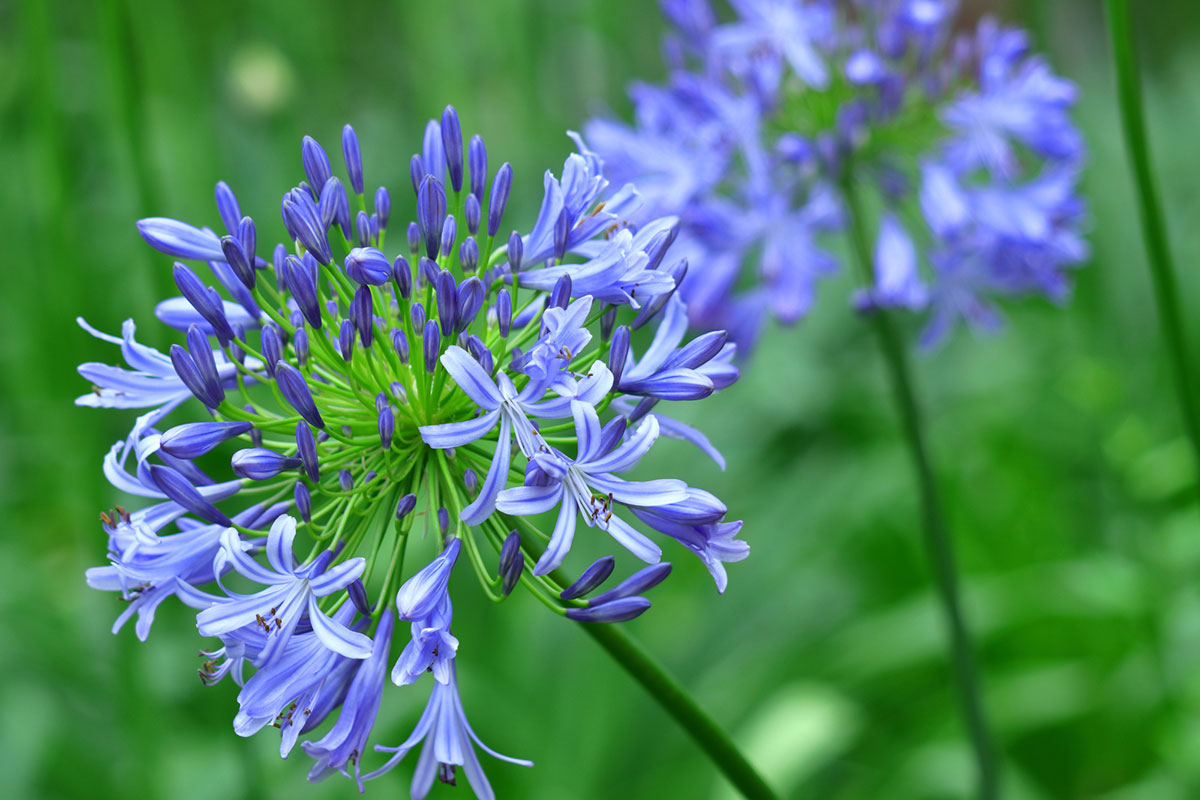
x=1058 y=444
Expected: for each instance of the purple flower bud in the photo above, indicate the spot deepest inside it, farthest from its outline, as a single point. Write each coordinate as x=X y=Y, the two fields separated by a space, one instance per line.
x=227 y=207
x=304 y=223
x=278 y=259
x=470 y=300
x=205 y=300
x=307 y=447
x=302 y=283
x=345 y=480
x=431 y=214
x=272 y=348
x=300 y=345
x=468 y=254
x=453 y=146
x=368 y=265
x=433 y=152
x=427 y=272
x=362 y=314
x=296 y=392
x=400 y=344
x=362 y=229
x=416 y=173
x=398 y=392
x=303 y=501
x=504 y=312
x=316 y=163
x=641 y=581
x=346 y=340
x=194 y=439
x=327 y=205
x=560 y=295
x=402 y=275
x=260 y=464
x=510 y=552
x=353 y=158
x=179 y=239
x=405 y=506
x=658 y=246
x=473 y=213
x=248 y=237
x=176 y=487
x=591 y=578
x=431 y=342
x=447 y=302
x=515 y=247
x=414 y=238
x=449 y=231
x=383 y=206
x=607 y=320
x=470 y=481
x=501 y=185
x=235 y=256
x=621 y=610
x=443 y=519
x=417 y=314
x=477 y=165
x=358 y=596
x=387 y=426
x=197 y=368
x=651 y=309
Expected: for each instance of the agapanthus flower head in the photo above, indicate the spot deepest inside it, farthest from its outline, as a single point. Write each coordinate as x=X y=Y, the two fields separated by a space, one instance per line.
x=357 y=403
x=959 y=144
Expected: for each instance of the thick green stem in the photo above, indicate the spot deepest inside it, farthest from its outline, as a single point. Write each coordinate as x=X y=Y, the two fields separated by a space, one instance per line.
x=1154 y=229
x=939 y=547
x=676 y=701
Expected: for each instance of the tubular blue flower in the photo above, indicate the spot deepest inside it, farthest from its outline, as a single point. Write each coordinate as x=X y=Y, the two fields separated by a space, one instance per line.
x=572 y=482
x=431 y=649
x=347 y=739
x=451 y=743
x=421 y=593
x=292 y=591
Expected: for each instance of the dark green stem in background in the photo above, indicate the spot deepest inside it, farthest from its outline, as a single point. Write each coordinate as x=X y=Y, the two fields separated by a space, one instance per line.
x=939 y=547
x=676 y=701
x=1154 y=229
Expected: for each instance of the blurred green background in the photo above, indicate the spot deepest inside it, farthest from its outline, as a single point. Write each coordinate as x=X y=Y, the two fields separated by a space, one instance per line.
x=1058 y=444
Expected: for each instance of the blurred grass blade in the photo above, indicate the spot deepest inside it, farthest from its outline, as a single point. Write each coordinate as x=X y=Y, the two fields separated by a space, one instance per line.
x=1154 y=229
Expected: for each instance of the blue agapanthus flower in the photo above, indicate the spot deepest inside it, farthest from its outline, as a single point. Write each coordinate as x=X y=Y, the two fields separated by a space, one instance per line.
x=470 y=382
x=960 y=145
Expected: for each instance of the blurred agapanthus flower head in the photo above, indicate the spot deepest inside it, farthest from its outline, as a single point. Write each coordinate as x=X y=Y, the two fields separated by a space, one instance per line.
x=959 y=144
x=471 y=382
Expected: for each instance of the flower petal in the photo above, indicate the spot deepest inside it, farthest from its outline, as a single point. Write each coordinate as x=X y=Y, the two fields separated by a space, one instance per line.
x=335 y=636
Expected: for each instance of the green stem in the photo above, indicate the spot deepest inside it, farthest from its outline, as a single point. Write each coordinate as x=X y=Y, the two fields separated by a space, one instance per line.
x=939 y=548
x=1154 y=229
x=676 y=701
x=664 y=688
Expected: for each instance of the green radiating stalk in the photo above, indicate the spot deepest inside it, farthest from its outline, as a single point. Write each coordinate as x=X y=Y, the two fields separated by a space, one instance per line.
x=666 y=690
x=676 y=701
x=1154 y=229
x=939 y=548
